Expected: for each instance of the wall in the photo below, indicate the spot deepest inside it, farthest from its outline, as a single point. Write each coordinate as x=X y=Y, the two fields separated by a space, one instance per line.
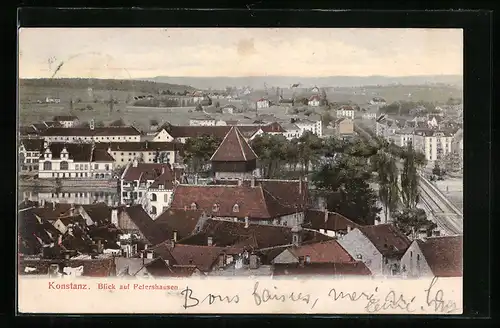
x=122 y=158
x=410 y=259
x=355 y=243
x=163 y=136
x=285 y=257
x=73 y=139
x=163 y=200
x=233 y=175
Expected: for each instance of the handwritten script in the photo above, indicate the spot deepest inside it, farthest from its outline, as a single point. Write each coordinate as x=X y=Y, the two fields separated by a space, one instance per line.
x=377 y=300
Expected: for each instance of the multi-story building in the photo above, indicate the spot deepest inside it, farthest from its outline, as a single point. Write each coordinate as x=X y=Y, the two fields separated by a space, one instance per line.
x=262 y=103
x=433 y=143
x=315 y=127
x=67 y=121
x=92 y=134
x=29 y=154
x=202 y=122
x=150 y=185
x=61 y=160
x=292 y=131
x=344 y=128
x=144 y=151
x=346 y=111
x=402 y=137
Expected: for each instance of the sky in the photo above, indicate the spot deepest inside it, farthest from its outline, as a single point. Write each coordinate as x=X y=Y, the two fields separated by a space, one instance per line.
x=131 y=53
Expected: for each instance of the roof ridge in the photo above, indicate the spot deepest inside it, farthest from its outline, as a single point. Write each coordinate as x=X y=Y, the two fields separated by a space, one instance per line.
x=238 y=137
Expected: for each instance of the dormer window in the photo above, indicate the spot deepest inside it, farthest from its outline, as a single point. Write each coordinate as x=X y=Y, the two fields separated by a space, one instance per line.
x=215 y=208
x=160 y=186
x=236 y=208
x=194 y=206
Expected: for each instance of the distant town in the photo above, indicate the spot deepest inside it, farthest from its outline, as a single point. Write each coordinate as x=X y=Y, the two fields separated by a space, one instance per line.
x=154 y=180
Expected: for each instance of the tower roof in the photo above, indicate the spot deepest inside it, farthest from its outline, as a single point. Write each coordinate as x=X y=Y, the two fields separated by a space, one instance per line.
x=234 y=148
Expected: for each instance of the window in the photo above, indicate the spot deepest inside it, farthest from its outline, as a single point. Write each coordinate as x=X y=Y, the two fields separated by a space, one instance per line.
x=86 y=168
x=411 y=254
x=160 y=186
x=153 y=210
x=359 y=257
x=47 y=166
x=96 y=166
x=153 y=197
x=64 y=165
x=165 y=198
x=386 y=261
x=236 y=208
x=106 y=167
x=140 y=193
x=124 y=194
x=215 y=207
x=194 y=206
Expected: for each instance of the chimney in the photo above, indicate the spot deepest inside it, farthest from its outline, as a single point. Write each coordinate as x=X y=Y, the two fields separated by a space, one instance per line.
x=240 y=182
x=175 y=235
x=246 y=222
x=196 y=179
x=254 y=261
x=72 y=211
x=326 y=215
x=209 y=241
x=59 y=240
x=41 y=203
x=349 y=228
x=301 y=261
x=149 y=255
x=66 y=256
x=308 y=259
x=99 y=246
x=135 y=162
x=54 y=205
x=253 y=182
x=172 y=243
x=296 y=235
x=163 y=170
x=114 y=217
x=300 y=185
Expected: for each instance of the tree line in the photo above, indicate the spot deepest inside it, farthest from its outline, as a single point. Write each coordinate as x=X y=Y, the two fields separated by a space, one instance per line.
x=341 y=171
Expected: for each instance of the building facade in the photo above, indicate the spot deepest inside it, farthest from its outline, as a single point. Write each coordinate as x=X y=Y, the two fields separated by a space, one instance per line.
x=92 y=134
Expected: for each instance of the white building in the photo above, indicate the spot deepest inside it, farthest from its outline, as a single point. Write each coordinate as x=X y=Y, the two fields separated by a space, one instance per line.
x=29 y=154
x=88 y=135
x=347 y=112
x=402 y=137
x=150 y=185
x=434 y=144
x=202 y=122
x=75 y=161
x=378 y=101
x=67 y=121
x=315 y=127
x=314 y=101
x=369 y=116
x=262 y=103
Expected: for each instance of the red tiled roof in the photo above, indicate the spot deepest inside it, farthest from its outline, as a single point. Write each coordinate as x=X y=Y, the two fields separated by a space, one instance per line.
x=272 y=127
x=104 y=131
x=30 y=227
x=33 y=144
x=153 y=234
x=386 y=238
x=134 y=173
x=315 y=219
x=323 y=252
x=180 y=220
x=140 y=146
x=101 y=155
x=203 y=257
x=329 y=269
x=444 y=255
x=76 y=152
x=100 y=213
x=234 y=148
x=255 y=236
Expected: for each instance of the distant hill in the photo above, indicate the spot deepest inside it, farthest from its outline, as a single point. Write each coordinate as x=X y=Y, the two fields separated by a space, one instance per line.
x=257 y=82
x=105 y=84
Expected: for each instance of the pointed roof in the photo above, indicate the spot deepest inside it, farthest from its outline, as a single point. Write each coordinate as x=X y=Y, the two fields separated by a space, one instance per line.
x=234 y=148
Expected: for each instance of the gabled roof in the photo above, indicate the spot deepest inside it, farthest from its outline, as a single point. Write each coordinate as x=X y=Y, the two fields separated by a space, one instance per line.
x=33 y=144
x=255 y=236
x=180 y=220
x=323 y=252
x=153 y=170
x=203 y=257
x=153 y=234
x=314 y=97
x=30 y=228
x=315 y=219
x=314 y=269
x=234 y=148
x=140 y=146
x=444 y=255
x=100 y=213
x=98 y=131
x=60 y=118
x=388 y=240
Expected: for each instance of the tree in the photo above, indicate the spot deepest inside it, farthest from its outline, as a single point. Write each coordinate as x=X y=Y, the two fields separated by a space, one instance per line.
x=326 y=118
x=345 y=183
x=99 y=124
x=412 y=220
x=197 y=151
x=89 y=107
x=387 y=176
x=409 y=180
x=272 y=151
x=199 y=108
x=437 y=170
x=217 y=104
x=117 y=123
x=153 y=122
x=309 y=148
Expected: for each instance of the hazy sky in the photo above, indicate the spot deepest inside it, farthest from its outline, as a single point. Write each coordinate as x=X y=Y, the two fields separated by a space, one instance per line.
x=140 y=52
